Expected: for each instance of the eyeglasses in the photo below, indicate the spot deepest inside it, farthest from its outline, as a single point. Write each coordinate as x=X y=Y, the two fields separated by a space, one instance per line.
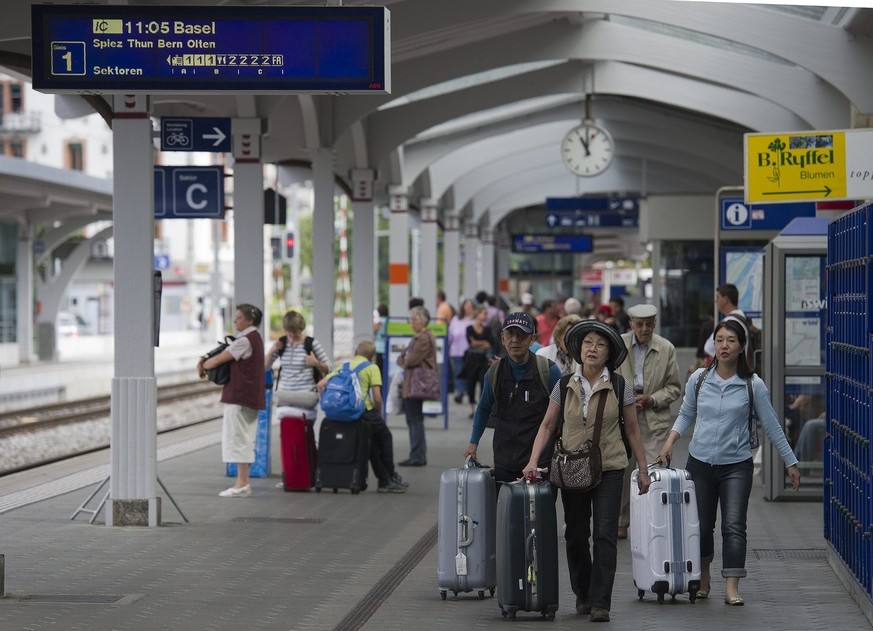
x=600 y=346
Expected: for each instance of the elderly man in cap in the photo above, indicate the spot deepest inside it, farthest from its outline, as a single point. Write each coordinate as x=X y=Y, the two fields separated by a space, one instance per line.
x=514 y=399
x=652 y=369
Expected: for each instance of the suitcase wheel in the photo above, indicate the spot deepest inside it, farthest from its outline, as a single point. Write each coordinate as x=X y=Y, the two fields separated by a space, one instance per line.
x=443 y=594
x=354 y=491
x=549 y=615
x=660 y=599
x=481 y=595
x=335 y=490
x=641 y=593
x=692 y=597
x=491 y=591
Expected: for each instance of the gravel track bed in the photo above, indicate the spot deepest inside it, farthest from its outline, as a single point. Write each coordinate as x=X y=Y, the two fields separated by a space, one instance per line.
x=27 y=448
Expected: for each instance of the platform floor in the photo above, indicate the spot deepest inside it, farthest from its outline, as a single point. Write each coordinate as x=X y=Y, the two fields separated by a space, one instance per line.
x=298 y=561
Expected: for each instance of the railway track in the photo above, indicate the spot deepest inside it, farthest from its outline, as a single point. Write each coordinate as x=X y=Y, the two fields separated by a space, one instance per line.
x=58 y=414
x=41 y=435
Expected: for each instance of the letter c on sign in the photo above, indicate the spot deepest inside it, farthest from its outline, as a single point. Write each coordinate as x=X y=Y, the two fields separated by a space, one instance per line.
x=189 y=196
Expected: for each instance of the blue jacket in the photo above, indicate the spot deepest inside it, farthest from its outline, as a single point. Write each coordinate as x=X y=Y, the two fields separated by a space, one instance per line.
x=721 y=419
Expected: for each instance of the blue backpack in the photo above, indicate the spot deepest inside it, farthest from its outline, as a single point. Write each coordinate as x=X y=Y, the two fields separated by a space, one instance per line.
x=343 y=399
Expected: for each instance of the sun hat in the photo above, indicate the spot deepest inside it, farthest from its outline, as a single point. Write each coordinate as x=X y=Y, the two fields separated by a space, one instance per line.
x=574 y=336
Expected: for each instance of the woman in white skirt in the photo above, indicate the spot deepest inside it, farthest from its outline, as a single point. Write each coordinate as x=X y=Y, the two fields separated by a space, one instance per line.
x=243 y=396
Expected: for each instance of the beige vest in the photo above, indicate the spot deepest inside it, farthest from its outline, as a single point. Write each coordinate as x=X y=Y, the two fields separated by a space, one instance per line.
x=577 y=430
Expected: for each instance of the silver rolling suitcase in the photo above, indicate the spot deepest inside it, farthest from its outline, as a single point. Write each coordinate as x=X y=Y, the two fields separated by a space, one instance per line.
x=665 y=535
x=466 y=548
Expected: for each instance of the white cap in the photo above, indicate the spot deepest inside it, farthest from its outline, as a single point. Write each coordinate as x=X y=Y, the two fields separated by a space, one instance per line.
x=642 y=311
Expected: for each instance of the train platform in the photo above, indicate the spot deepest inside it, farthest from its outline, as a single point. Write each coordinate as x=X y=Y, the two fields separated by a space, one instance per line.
x=325 y=561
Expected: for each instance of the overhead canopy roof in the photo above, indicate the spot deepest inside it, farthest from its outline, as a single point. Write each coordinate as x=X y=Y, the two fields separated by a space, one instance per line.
x=484 y=91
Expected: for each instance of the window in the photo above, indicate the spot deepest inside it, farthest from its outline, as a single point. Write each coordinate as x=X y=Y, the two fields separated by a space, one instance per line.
x=16 y=97
x=15 y=148
x=75 y=156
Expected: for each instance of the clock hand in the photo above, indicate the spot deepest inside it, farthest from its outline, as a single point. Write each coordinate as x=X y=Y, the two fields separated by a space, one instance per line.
x=584 y=142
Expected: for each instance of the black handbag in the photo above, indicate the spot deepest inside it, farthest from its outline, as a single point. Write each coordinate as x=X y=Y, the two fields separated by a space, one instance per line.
x=219 y=375
x=579 y=469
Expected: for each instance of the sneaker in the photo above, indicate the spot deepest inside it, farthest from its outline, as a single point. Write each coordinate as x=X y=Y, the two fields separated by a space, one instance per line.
x=395 y=477
x=243 y=491
x=582 y=605
x=391 y=487
x=599 y=615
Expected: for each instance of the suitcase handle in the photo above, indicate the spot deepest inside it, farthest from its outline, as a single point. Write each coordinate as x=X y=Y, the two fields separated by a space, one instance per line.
x=465 y=531
x=660 y=463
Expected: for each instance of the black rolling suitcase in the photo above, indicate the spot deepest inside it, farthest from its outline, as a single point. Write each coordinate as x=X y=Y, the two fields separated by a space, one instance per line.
x=343 y=456
x=527 y=549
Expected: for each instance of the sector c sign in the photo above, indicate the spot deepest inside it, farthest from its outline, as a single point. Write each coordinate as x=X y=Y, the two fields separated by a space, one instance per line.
x=809 y=165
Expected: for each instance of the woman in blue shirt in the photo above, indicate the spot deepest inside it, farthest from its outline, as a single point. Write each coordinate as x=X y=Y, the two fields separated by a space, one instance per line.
x=720 y=457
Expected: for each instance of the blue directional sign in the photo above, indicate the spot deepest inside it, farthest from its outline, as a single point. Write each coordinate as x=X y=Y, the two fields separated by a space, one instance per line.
x=585 y=219
x=154 y=49
x=162 y=261
x=189 y=192
x=551 y=243
x=600 y=204
x=736 y=214
x=195 y=134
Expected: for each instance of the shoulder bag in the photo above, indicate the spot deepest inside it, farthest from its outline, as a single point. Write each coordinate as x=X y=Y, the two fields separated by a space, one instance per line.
x=579 y=469
x=424 y=382
x=219 y=375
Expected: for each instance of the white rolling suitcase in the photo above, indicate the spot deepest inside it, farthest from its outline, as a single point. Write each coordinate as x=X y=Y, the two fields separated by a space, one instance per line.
x=665 y=535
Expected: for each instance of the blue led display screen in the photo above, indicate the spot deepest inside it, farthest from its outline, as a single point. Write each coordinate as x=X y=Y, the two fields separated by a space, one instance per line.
x=129 y=49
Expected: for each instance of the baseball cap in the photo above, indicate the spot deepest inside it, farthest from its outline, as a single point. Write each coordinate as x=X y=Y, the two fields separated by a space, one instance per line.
x=522 y=320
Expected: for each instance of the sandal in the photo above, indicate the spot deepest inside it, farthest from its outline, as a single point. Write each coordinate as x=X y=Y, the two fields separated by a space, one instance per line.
x=703 y=592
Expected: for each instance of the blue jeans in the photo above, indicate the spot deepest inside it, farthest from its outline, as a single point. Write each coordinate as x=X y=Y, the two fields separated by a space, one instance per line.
x=592 y=577
x=415 y=422
x=730 y=486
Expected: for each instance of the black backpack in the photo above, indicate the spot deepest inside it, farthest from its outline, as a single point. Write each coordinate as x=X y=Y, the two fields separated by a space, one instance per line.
x=307 y=346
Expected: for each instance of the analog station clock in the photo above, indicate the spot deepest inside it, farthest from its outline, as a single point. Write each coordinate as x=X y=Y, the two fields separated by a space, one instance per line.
x=587 y=150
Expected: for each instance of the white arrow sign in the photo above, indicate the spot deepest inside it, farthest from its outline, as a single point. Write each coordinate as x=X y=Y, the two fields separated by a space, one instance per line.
x=218 y=136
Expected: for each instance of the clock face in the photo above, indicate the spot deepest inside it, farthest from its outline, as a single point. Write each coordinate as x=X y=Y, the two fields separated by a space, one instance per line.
x=587 y=150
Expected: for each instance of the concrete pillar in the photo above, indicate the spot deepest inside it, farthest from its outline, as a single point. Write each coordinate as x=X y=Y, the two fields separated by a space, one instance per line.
x=451 y=257
x=398 y=252
x=428 y=274
x=364 y=261
x=323 y=279
x=248 y=216
x=472 y=249
x=24 y=293
x=488 y=279
x=133 y=498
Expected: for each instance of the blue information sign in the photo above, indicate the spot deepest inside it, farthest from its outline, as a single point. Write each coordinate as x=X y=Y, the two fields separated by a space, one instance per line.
x=550 y=243
x=158 y=49
x=736 y=214
x=195 y=134
x=189 y=192
x=601 y=204
x=584 y=219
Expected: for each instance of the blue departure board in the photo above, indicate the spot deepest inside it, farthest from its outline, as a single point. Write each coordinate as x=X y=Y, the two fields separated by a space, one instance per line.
x=160 y=49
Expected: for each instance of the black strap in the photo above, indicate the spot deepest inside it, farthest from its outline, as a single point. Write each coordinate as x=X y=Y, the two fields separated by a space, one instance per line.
x=618 y=385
